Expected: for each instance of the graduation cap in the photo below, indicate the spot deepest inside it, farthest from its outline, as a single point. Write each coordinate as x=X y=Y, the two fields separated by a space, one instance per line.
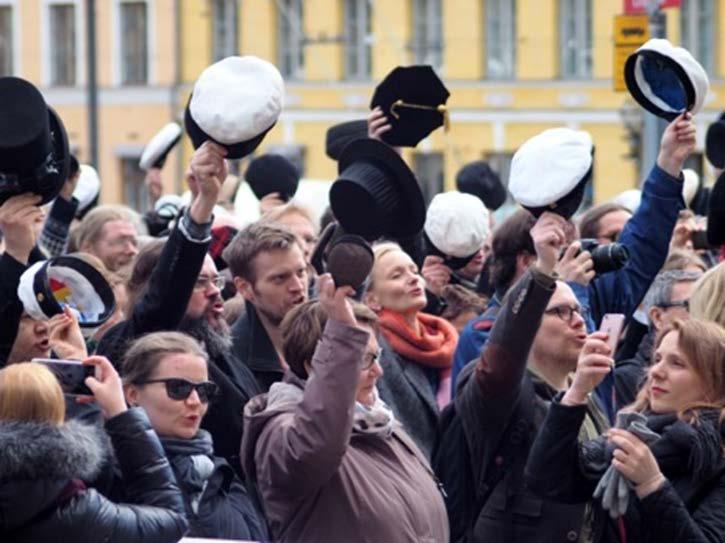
x=413 y=99
x=716 y=213
x=235 y=102
x=87 y=189
x=479 y=179
x=666 y=80
x=49 y=286
x=272 y=173
x=630 y=199
x=339 y=135
x=550 y=170
x=715 y=143
x=456 y=227
x=375 y=193
x=34 y=153
x=347 y=257
x=157 y=149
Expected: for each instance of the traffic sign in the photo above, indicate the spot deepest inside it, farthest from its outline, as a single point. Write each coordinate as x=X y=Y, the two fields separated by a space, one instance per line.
x=630 y=32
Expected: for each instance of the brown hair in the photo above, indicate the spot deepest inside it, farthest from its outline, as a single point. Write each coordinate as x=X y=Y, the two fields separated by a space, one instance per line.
x=302 y=329
x=89 y=230
x=459 y=300
x=708 y=298
x=679 y=259
x=703 y=343
x=145 y=354
x=589 y=222
x=146 y=260
x=254 y=239
x=510 y=239
x=30 y=392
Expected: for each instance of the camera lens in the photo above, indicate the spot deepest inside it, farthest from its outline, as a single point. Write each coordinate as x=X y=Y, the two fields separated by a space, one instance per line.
x=610 y=257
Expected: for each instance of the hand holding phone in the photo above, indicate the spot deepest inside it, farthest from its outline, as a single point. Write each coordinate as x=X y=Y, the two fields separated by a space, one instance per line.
x=71 y=374
x=612 y=325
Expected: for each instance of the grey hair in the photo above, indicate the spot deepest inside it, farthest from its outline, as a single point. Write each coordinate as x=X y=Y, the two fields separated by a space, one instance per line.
x=660 y=292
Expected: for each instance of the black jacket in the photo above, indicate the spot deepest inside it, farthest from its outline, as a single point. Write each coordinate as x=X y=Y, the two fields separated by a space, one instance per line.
x=161 y=308
x=500 y=406
x=38 y=461
x=680 y=511
x=254 y=349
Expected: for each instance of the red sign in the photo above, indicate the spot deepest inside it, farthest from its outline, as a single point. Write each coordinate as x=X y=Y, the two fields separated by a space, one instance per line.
x=632 y=7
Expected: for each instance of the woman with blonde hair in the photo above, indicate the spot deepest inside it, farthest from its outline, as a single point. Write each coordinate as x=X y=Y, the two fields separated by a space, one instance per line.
x=44 y=462
x=418 y=347
x=708 y=299
x=660 y=474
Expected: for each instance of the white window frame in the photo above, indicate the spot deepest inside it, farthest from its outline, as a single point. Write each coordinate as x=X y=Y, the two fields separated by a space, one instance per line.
x=150 y=40
x=362 y=48
x=234 y=24
x=295 y=21
x=582 y=31
x=691 y=10
x=505 y=20
x=429 y=54
x=16 y=6
x=79 y=12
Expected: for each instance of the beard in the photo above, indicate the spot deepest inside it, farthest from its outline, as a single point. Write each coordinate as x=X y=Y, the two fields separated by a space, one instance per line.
x=216 y=339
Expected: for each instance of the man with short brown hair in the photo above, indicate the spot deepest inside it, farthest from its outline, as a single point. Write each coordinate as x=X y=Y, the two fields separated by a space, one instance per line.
x=270 y=272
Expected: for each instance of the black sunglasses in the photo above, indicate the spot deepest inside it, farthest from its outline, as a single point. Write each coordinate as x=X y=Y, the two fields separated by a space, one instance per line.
x=180 y=389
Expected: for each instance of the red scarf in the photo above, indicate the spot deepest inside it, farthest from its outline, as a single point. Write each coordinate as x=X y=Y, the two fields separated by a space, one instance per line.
x=433 y=348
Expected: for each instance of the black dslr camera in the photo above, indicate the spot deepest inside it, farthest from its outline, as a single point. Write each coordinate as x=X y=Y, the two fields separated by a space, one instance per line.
x=606 y=258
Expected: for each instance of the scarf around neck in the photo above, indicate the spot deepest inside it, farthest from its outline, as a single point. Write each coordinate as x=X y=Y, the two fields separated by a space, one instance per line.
x=193 y=464
x=433 y=348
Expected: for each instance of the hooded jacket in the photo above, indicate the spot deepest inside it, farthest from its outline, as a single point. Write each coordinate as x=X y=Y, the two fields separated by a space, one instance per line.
x=38 y=461
x=319 y=480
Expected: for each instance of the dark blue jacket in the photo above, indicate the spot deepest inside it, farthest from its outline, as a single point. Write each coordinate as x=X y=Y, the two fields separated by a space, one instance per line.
x=647 y=237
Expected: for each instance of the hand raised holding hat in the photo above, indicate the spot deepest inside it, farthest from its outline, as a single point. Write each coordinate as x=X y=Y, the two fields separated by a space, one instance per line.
x=678 y=142
x=436 y=274
x=335 y=300
x=378 y=124
x=19 y=216
x=106 y=387
x=65 y=336
x=210 y=170
x=548 y=235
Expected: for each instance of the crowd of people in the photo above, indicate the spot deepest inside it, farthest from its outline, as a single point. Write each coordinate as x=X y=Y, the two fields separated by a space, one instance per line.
x=388 y=375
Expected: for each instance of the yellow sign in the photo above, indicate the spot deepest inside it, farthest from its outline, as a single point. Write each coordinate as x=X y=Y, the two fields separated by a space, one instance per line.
x=630 y=32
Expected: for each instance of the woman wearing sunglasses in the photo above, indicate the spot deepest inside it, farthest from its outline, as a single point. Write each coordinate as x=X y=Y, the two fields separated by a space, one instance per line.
x=166 y=373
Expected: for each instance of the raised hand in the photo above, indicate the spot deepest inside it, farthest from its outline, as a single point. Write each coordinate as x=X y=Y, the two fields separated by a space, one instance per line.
x=678 y=142
x=436 y=274
x=209 y=170
x=548 y=235
x=106 y=386
x=65 y=336
x=334 y=301
x=595 y=362
x=576 y=266
x=19 y=216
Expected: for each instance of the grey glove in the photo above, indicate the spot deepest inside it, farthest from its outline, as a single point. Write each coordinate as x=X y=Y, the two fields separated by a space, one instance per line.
x=613 y=487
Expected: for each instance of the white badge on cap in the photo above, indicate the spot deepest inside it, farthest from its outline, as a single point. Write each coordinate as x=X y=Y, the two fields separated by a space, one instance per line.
x=237 y=98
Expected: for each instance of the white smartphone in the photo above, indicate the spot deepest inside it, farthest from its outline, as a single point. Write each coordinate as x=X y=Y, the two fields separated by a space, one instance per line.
x=612 y=324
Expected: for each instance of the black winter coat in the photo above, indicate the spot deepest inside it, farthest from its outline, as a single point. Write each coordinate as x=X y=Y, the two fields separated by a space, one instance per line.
x=38 y=461
x=162 y=308
x=681 y=511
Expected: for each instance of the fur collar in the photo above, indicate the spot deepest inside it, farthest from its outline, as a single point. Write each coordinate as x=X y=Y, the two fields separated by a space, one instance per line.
x=32 y=451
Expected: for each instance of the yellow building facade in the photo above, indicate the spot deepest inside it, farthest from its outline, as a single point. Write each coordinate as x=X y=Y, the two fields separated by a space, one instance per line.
x=513 y=67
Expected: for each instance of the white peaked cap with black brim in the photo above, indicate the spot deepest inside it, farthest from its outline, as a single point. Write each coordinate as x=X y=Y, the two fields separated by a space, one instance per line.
x=88 y=187
x=157 y=149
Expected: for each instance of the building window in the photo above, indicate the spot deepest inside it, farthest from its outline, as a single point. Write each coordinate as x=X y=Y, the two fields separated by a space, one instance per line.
x=428 y=32
x=224 y=29
x=428 y=168
x=575 y=38
x=358 y=32
x=291 y=38
x=134 y=43
x=135 y=194
x=500 y=39
x=6 y=40
x=697 y=30
x=63 y=53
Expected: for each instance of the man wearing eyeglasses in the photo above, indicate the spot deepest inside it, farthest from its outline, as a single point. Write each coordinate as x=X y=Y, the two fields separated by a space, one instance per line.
x=667 y=300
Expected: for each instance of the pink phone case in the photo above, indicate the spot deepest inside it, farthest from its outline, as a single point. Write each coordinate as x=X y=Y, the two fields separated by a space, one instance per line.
x=612 y=324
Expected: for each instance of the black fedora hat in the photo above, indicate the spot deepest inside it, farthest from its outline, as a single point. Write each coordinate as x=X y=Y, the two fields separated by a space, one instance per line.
x=716 y=213
x=235 y=102
x=34 y=154
x=376 y=194
x=413 y=99
x=479 y=179
x=339 y=135
x=272 y=173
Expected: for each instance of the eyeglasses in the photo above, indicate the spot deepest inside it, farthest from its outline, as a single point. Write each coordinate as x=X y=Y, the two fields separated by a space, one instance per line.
x=181 y=389
x=681 y=303
x=565 y=312
x=203 y=282
x=370 y=358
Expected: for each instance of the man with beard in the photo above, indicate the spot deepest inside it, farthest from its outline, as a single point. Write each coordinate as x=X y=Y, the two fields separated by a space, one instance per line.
x=175 y=285
x=270 y=272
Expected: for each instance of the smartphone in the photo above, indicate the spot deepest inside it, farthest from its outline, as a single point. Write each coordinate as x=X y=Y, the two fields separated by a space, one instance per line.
x=71 y=374
x=612 y=324
x=699 y=240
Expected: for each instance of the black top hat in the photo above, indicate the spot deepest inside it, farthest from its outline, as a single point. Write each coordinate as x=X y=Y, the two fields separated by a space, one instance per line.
x=376 y=194
x=339 y=135
x=716 y=213
x=413 y=99
x=34 y=154
x=715 y=143
x=272 y=173
x=47 y=287
x=479 y=179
